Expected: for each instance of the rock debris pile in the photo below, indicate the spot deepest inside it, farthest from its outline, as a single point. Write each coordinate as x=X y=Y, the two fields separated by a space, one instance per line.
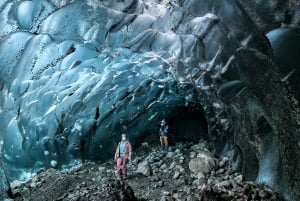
x=186 y=172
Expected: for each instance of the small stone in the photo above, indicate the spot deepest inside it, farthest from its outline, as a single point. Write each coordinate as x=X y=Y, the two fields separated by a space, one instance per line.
x=176 y=196
x=155 y=179
x=187 y=190
x=177 y=151
x=15 y=184
x=192 y=154
x=200 y=175
x=195 y=182
x=223 y=184
x=32 y=185
x=178 y=167
x=145 y=144
x=166 y=193
x=195 y=147
x=221 y=171
x=170 y=155
x=101 y=169
x=155 y=171
x=163 y=166
x=157 y=164
x=223 y=162
x=173 y=164
x=182 y=170
x=35 y=179
x=239 y=179
x=176 y=175
x=166 y=171
x=156 y=159
x=160 y=183
x=210 y=181
x=263 y=194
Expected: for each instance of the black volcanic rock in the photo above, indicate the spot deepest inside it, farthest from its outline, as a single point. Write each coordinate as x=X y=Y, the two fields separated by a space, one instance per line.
x=269 y=15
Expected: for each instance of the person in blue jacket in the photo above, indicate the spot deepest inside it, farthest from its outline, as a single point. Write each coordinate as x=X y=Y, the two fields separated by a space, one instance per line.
x=122 y=156
x=163 y=133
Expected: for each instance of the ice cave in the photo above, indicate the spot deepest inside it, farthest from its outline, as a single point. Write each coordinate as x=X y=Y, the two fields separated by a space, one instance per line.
x=77 y=73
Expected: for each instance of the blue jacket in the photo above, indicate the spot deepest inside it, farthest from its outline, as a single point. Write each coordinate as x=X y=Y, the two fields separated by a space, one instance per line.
x=163 y=131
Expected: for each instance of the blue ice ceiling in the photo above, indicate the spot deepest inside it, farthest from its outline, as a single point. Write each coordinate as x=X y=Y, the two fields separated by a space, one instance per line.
x=75 y=74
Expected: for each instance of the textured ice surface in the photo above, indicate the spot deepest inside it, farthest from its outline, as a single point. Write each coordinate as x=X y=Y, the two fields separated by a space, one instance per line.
x=81 y=73
x=75 y=74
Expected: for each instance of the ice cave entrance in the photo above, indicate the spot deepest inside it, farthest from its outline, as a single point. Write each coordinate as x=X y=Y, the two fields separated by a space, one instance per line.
x=187 y=124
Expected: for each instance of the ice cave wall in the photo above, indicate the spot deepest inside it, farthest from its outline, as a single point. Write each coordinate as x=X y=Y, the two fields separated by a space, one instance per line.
x=75 y=74
x=269 y=15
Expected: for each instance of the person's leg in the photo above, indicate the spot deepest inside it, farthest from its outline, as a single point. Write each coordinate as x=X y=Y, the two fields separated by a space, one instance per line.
x=119 y=167
x=161 y=138
x=124 y=167
x=166 y=142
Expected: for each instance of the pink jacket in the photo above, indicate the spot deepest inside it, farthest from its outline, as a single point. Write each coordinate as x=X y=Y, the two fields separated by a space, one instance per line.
x=128 y=151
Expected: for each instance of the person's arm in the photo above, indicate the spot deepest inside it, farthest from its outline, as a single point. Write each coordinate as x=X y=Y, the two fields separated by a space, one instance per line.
x=117 y=152
x=129 y=151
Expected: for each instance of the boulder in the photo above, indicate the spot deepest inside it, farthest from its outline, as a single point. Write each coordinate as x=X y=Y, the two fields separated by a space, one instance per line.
x=204 y=163
x=144 y=168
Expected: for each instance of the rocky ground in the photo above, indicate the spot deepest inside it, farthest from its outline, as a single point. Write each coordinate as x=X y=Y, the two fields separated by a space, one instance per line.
x=187 y=172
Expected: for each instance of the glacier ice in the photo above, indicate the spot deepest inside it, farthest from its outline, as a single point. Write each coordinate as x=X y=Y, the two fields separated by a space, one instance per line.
x=75 y=74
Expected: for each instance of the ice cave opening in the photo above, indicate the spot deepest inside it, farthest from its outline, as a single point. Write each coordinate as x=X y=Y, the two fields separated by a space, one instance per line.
x=187 y=124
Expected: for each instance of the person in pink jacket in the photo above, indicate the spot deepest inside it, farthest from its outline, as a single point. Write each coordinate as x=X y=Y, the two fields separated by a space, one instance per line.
x=122 y=156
